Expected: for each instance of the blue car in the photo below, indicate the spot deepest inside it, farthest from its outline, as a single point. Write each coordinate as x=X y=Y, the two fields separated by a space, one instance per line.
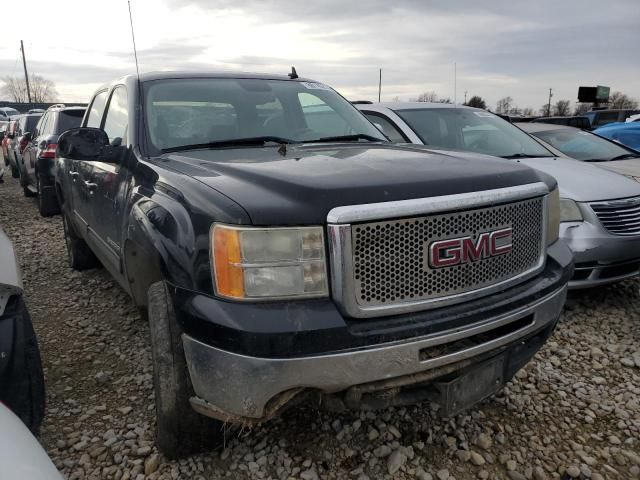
x=626 y=133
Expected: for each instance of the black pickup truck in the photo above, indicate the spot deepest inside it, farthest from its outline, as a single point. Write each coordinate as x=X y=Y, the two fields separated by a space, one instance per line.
x=284 y=251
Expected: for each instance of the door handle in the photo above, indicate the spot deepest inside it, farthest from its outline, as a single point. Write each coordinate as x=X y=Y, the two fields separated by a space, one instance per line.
x=74 y=175
x=90 y=186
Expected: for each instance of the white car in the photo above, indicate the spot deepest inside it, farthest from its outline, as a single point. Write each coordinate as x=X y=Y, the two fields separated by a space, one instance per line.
x=21 y=456
x=633 y=118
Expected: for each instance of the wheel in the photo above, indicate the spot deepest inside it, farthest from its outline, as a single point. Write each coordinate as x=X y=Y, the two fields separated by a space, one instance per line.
x=180 y=431
x=23 y=386
x=80 y=255
x=47 y=201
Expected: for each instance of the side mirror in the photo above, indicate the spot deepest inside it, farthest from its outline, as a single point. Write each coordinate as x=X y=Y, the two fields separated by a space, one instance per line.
x=87 y=144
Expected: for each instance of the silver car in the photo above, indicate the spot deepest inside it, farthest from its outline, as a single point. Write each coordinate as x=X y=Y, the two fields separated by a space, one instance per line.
x=600 y=208
x=574 y=143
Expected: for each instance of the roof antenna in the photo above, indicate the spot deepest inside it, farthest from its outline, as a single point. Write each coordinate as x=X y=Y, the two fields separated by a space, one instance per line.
x=133 y=37
x=293 y=75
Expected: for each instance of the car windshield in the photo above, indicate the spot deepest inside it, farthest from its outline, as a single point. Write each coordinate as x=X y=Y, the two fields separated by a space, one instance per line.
x=582 y=145
x=191 y=112
x=471 y=130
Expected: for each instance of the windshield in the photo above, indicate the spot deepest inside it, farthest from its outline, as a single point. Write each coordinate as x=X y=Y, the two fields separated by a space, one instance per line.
x=471 y=130
x=582 y=145
x=183 y=112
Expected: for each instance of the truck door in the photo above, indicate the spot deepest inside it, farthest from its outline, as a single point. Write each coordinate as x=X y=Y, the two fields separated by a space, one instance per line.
x=110 y=183
x=81 y=171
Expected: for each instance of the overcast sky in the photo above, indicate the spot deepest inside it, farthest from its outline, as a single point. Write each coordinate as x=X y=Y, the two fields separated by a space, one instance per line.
x=501 y=47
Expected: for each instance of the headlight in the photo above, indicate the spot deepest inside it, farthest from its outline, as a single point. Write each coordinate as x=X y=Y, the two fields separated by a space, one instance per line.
x=262 y=263
x=553 y=216
x=569 y=211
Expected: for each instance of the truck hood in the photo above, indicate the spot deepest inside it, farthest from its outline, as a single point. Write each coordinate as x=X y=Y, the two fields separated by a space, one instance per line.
x=303 y=185
x=584 y=182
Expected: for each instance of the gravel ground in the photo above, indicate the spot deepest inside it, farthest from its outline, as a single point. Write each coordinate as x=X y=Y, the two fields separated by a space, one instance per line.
x=573 y=412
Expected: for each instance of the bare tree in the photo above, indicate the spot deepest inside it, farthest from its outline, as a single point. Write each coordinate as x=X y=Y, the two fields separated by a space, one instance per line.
x=43 y=90
x=528 y=112
x=504 y=105
x=562 y=108
x=396 y=99
x=582 y=108
x=477 y=102
x=445 y=100
x=545 y=111
x=430 y=96
x=622 y=100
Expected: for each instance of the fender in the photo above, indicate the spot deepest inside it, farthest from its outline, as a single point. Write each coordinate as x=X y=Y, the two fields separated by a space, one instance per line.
x=166 y=237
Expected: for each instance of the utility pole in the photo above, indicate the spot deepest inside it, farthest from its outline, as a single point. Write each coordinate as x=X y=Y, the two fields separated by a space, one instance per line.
x=26 y=75
x=380 y=86
x=465 y=97
x=549 y=107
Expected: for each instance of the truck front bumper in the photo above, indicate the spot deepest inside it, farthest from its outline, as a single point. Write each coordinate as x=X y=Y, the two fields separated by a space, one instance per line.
x=247 y=361
x=237 y=387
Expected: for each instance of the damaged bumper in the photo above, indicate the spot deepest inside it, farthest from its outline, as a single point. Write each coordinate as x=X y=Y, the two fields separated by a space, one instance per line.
x=236 y=387
x=600 y=257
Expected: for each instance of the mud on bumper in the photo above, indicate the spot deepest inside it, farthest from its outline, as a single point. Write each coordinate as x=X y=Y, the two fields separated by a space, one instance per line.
x=456 y=368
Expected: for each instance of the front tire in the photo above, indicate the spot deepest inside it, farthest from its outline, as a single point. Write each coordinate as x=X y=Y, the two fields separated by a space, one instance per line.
x=23 y=387
x=180 y=431
x=80 y=255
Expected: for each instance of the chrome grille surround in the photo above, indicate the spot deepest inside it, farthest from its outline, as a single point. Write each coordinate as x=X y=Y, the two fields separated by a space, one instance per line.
x=619 y=217
x=376 y=274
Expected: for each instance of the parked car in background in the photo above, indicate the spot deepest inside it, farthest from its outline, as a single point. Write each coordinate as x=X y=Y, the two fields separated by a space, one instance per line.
x=26 y=124
x=21 y=376
x=602 y=117
x=4 y=124
x=286 y=251
x=575 y=121
x=599 y=220
x=587 y=147
x=21 y=456
x=633 y=118
x=36 y=110
x=39 y=155
x=627 y=134
x=8 y=144
x=7 y=112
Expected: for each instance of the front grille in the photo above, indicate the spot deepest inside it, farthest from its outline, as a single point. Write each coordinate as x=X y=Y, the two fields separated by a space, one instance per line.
x=390 y=264
x=620 y=217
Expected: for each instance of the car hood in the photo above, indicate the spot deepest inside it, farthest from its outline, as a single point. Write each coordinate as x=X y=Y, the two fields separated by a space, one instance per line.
x=585 y=182
x=629 y=168
x=303 y=185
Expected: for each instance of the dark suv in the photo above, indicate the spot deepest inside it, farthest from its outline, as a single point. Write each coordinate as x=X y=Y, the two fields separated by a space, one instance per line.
x=285 y=251
x=39 y=155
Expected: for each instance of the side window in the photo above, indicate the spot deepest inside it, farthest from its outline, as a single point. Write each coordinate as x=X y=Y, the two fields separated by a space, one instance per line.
x=51 y=121
x=97 y=109
x=40 y=126
x=116 y=122
x=388 y=127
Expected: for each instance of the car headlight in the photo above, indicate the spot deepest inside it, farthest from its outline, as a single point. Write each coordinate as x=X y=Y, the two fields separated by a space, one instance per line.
x=268 y=263
x=553 y=216
x=569 y=211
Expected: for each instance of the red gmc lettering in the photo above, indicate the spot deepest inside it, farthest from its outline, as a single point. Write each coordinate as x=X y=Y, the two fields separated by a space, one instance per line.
x=455 y=251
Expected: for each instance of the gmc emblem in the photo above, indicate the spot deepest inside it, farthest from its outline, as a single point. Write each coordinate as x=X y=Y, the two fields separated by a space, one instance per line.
x=456 y=251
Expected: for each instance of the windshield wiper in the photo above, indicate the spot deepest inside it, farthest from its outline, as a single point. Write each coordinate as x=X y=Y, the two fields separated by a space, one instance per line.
x=234 y=142
x=625 y=156
x=524 y=155
x=347 y=138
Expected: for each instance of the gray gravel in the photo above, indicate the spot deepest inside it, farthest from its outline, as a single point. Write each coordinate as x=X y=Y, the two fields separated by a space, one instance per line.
x=573 y=412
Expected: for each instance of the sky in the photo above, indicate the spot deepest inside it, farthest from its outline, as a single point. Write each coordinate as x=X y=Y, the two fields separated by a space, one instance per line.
x=499 y=48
